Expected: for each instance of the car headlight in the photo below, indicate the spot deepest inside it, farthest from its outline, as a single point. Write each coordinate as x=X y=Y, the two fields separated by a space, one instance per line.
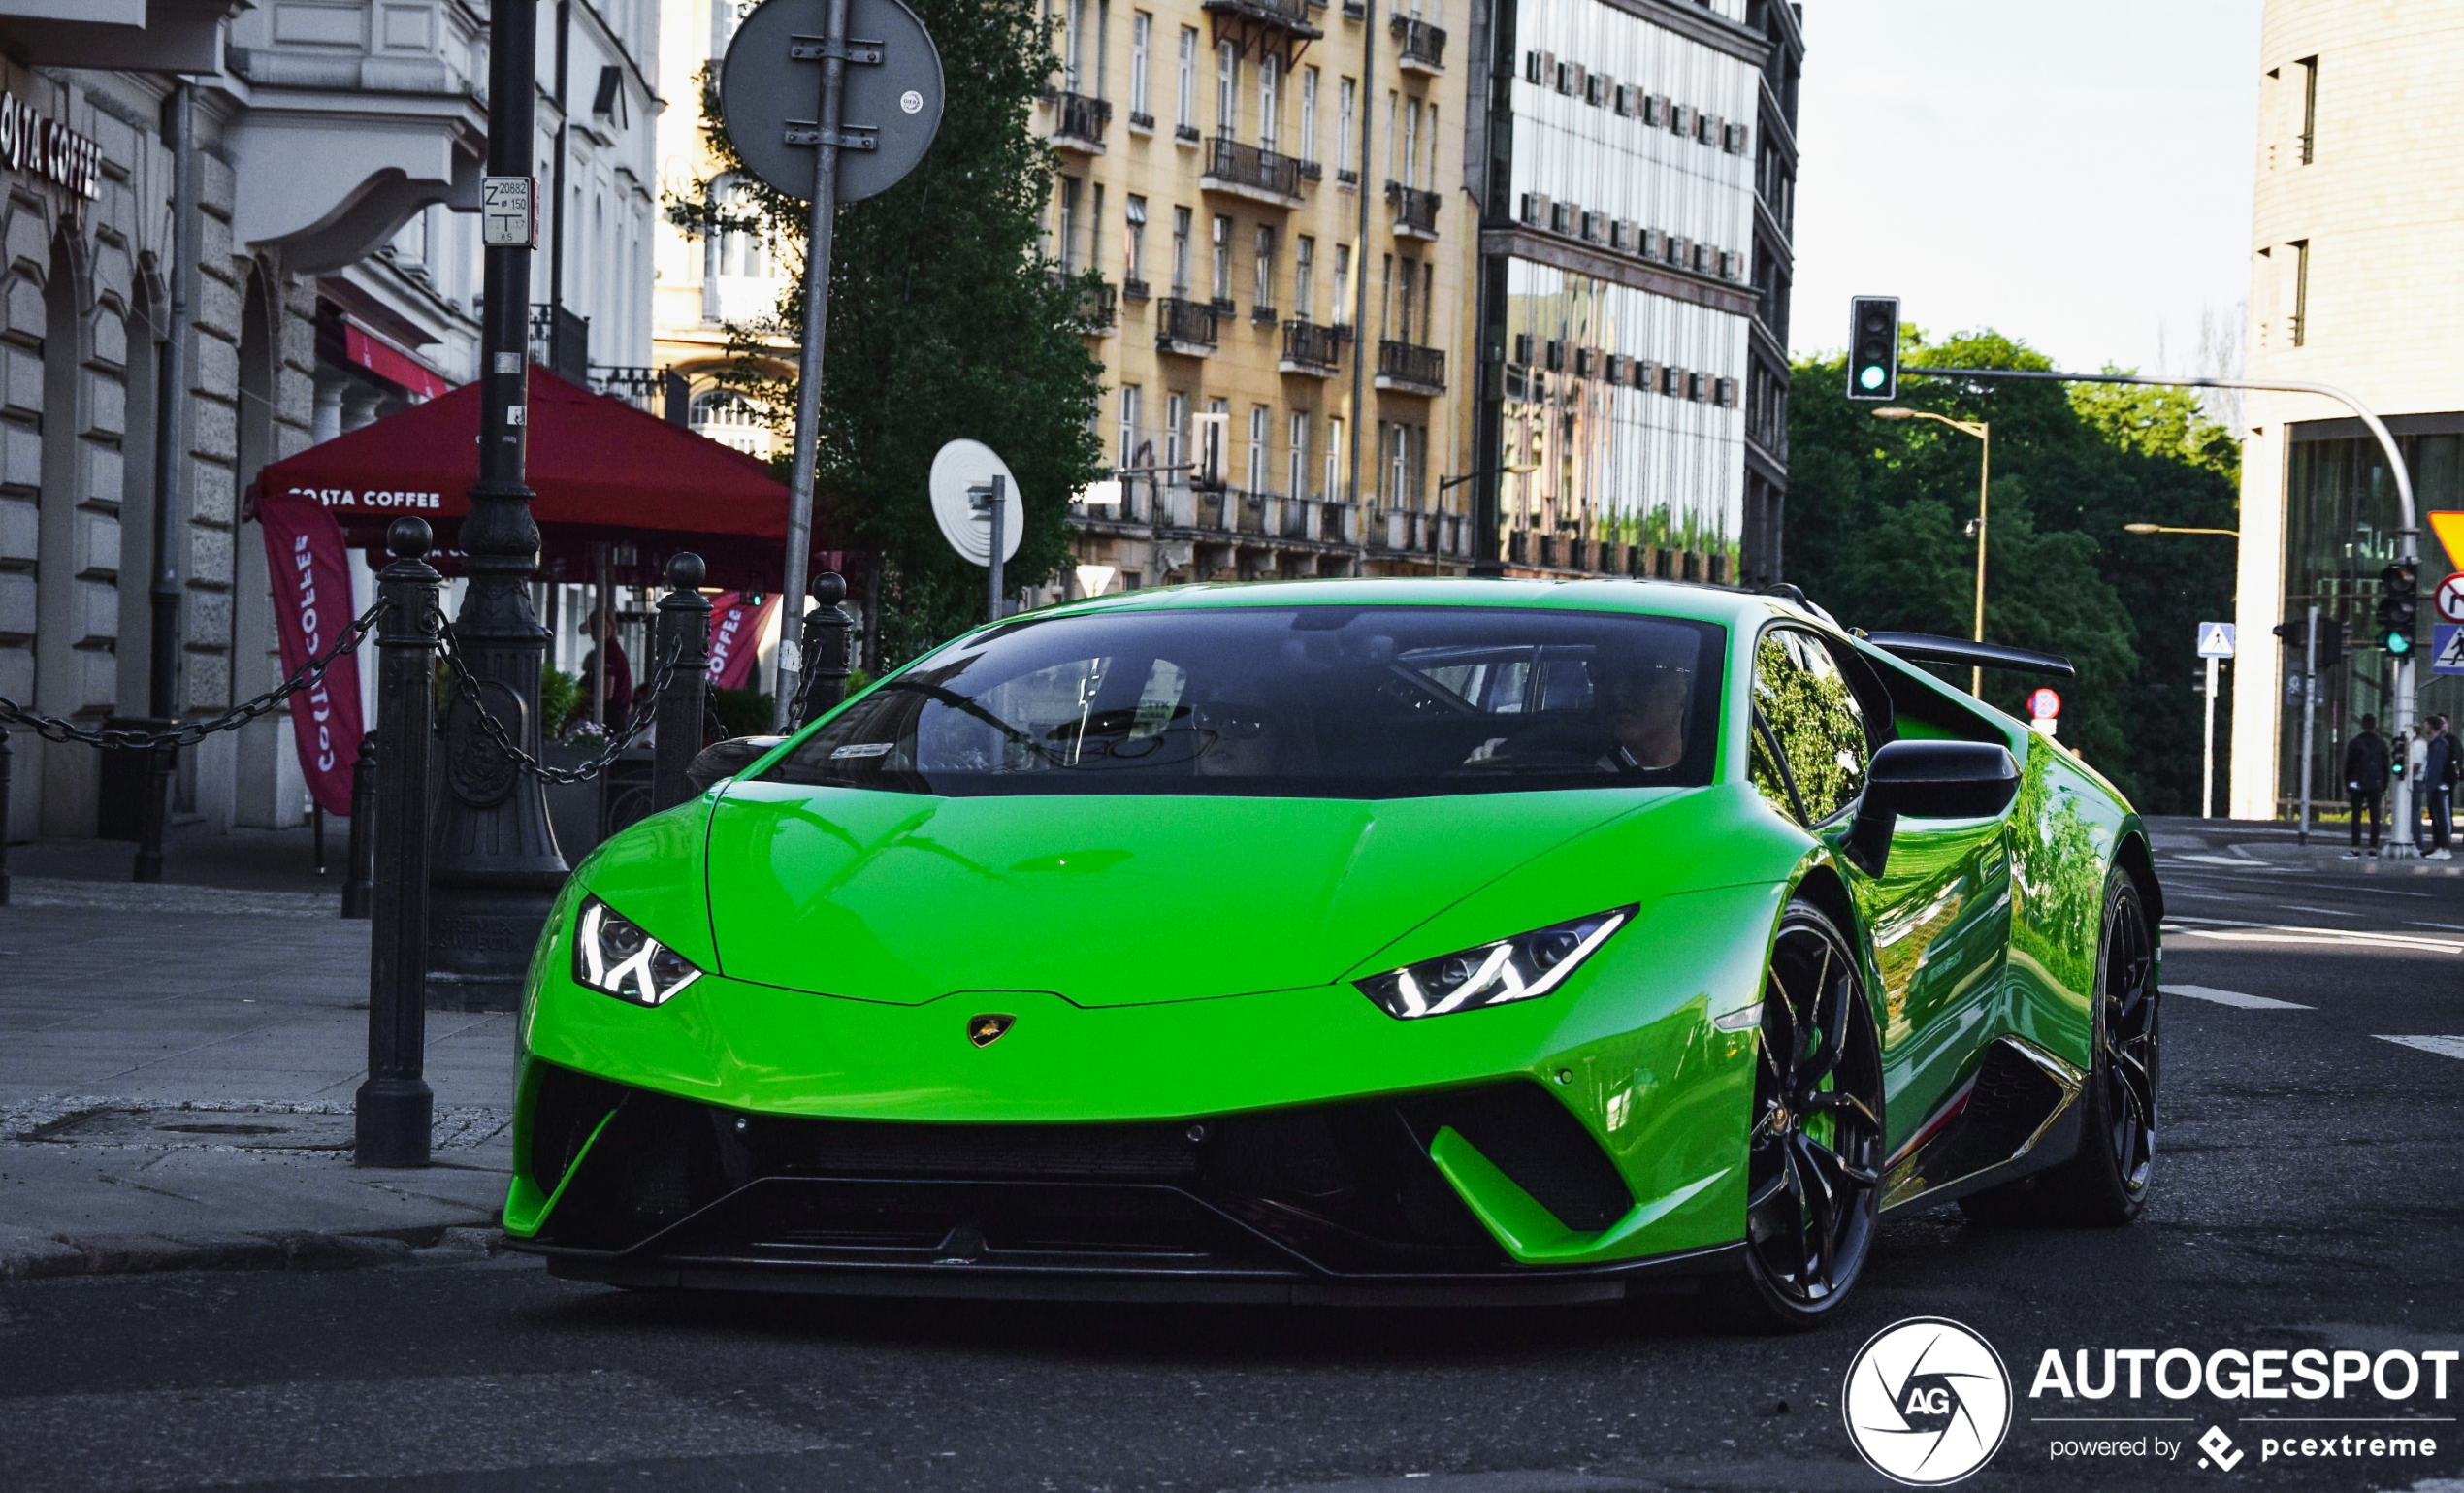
x=614 y=956
x=1519 y=968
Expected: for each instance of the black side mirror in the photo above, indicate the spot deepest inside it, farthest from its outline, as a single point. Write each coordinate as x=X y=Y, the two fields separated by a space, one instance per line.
x=1927 y=780
x=725 y=759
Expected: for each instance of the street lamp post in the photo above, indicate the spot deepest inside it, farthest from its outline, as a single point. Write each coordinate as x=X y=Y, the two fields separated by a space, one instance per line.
x=1984 y=433
x=497 y=868
x=1480 y=555
x=2207 y=748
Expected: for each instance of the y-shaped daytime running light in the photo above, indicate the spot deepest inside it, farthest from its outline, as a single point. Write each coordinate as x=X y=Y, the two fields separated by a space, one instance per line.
x=1523 y=967
x=614 y=956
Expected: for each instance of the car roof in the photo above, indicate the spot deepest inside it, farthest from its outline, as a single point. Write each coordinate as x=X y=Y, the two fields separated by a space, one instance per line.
x=1642 y=598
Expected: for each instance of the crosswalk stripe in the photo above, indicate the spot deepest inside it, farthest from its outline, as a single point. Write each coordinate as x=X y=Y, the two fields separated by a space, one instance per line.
x=2444 y=1047
x=2235 y=998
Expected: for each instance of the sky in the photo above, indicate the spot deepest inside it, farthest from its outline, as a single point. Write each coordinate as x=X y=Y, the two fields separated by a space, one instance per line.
x=2076 y=174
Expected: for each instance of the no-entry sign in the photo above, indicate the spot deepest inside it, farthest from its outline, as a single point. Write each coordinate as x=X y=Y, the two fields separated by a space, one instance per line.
x=2043 y=704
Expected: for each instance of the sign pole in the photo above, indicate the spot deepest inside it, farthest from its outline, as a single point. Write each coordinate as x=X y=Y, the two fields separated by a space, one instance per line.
x=993 y=506
x=2309 y=704
x=808 y=373
x=2206 y=752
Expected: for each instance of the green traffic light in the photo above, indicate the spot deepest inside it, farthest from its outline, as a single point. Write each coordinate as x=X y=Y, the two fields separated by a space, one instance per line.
x=2397 y=643
x=1869 y=376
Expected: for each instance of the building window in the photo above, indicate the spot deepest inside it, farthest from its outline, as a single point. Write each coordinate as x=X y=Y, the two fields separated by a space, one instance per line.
x=1175 y=426
x=1185 y=86
x=730 y=420
x=1069 y=194
x=1215 y=438
x=1142 y=30
x=1304 y=276
x=1181 y=253
x=1399 y=467
x=1130 y=399
x=2309 y=109
x=1340 y=314
x=2301 y=291
x=1394 y=104
x=1227 y=88
x=1095 y=232
x=1296 y=455
x=1334 y=491
x=1133 y=242
x=1309 y=115
x=1410 y=143
x=1429 y=166
x=1221 y=284
x=1345 y=102
x=1258 y=474
x=1269 y=101
x=1264 y=300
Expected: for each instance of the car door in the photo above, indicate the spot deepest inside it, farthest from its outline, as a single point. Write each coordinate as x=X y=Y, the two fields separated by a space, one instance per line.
x=1938 y=916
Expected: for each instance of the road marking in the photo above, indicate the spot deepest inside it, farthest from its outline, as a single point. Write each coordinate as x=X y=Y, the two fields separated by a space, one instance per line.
x=2240 y=930
x=2328 y=912
x=2444 y=1047
x=2234 y=998
x=2225 y=860
x=2452 y=927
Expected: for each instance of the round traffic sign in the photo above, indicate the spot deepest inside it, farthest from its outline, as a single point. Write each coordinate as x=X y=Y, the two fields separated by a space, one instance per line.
x=770 y=86
x=2450 y=600
x=960 y=470
x=2043 y=704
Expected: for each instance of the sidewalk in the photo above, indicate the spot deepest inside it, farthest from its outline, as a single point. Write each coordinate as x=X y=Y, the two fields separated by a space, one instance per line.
x=178 y=1064
x=2226 y=842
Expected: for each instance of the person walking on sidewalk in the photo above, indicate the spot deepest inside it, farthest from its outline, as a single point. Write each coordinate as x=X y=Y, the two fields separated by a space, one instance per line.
x=2365 y=782
x=2439 y=770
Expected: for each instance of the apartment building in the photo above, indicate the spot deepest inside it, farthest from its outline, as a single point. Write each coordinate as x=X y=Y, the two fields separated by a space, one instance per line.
x=1364 y=288
x=1272 y=191
x=2354 y=283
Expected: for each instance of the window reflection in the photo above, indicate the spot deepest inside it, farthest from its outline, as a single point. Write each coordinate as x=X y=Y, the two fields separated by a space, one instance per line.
x=1820 y=727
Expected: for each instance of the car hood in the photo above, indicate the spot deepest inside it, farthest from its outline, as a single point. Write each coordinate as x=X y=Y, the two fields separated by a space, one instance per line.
x=1104 y=901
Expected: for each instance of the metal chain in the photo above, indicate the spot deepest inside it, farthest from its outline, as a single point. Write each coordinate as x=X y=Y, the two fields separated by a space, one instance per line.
x=189 y=732
x=466 y=687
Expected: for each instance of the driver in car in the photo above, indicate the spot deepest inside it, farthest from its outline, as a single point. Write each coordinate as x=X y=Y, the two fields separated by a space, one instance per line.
x=1640 y=705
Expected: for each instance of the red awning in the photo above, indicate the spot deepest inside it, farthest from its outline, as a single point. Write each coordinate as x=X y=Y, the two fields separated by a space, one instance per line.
x=601 y=471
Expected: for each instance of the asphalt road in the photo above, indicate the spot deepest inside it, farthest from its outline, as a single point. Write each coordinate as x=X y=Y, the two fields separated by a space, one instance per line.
x=2308 y=1199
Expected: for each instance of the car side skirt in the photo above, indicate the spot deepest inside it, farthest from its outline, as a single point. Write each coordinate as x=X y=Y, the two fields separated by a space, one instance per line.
x=2017 y=1113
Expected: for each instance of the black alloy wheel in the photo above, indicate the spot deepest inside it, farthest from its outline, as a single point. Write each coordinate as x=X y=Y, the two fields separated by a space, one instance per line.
x=1815 y=1147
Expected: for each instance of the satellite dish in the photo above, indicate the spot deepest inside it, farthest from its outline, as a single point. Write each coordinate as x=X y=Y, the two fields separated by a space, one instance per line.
x=961 y=471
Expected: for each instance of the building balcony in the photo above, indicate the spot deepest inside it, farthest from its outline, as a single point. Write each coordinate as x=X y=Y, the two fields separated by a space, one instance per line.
x=1247 y=171
x=1310 y=349
x=1078 y=122
x=1134 y=289
x=1416 y=211
x=1095 y=309
x=1141 y=124
x=1184 y=326
x=1407 y=367
x=1290 y=17
x=1423 y=46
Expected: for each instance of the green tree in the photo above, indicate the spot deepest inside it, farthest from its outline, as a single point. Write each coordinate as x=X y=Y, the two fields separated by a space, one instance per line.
x=947 y=319
x=1877 y=531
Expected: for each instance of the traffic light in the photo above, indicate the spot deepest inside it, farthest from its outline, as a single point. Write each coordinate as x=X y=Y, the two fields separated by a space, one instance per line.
x=2398 y=605
x=2331 y=639
x=1873 y=347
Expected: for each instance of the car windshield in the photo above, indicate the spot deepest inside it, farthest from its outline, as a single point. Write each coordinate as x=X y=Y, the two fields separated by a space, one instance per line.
x=1307 y=701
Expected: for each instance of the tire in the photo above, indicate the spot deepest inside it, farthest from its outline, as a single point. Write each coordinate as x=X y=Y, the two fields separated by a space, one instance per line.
x=1814 y=1137
x=2104 y=1184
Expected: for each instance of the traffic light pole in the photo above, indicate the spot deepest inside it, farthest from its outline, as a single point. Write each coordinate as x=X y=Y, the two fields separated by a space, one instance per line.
x=2309 y=714
x=2408 y=534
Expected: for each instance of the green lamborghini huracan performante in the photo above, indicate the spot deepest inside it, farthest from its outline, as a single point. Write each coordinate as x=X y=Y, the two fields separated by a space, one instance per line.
x=1375 y=940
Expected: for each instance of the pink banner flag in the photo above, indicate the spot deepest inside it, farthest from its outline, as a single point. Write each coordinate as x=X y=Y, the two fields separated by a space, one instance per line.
x=312 y=573
x=735 y=636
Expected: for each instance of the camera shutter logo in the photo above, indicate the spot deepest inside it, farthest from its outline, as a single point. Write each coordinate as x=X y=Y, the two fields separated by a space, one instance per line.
x=1928 y=1401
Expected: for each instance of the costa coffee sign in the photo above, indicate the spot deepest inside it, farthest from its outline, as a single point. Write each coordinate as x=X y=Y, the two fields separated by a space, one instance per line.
x=34 y=141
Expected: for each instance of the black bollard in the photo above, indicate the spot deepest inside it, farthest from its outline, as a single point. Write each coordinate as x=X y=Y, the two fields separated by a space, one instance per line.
x=6 y=753
x=683 y=635
x=155 y=812
x=827 y=628
x=396 y=1108
x=362 y=850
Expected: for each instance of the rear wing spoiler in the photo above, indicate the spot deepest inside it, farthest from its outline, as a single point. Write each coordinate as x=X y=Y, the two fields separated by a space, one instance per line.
x=1925 y=648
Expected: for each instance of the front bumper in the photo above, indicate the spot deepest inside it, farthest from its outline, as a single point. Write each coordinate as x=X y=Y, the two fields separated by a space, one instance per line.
x=1361 y=1202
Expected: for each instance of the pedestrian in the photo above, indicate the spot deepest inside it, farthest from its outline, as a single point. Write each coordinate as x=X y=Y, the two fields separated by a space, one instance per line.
x=2366 y=759
x=619 y=701
x=2439 y=770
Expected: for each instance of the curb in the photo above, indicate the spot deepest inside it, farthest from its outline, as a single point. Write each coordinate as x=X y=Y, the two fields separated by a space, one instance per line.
x=110 y=1255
